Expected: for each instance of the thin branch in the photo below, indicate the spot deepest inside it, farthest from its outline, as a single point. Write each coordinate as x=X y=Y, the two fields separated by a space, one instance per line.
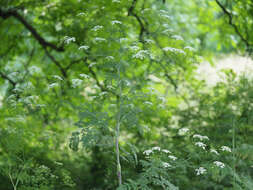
x=5 y=14
x=63 y=71
x=94 y=75
x=132 y=13
x=230 y=17
x=72 y=63
x=8 y=79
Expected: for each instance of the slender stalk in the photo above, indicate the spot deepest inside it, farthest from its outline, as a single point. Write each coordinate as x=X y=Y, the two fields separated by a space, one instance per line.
x=118 y=133
x=233 y=148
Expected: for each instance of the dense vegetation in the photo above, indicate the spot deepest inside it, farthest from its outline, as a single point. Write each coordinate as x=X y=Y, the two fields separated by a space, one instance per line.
x=104 y=95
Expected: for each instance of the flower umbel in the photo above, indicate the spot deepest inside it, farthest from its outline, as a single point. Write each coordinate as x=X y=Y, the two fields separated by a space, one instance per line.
x=200 y=171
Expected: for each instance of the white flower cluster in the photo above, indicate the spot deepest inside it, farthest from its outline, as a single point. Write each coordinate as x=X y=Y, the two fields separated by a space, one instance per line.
x=155 y=148
x=147 y=152
x=177 y=37
x=226 y=149
x=84 y=47
x=174 y=50
x=148 y=103
x=109 y=58
x=219 y=164
x=68 y=39
x=166 y=151
x=76 y=82
x=200 y=171
x=34 y=70
x=200 y=137
x=84 y=76
x=134 y=48
x=214 y=151
x=164 y=14
x=81 y=14
x=141 y=54
x=93 y=63
x=116 y=22
x=201 y=145
x=53 y=85
x=172 y=157
x=166 y=165
x=189 y=48
x=182 y=131
x=57 y=77
x=98 y=39
x=149 y=41
x=96 y=28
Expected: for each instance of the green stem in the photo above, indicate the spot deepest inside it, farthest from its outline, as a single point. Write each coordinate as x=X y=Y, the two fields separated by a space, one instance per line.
x=233 y=148
x=118 y=133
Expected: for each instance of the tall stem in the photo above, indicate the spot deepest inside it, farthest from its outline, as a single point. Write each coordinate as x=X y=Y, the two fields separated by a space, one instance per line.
x=233 y=148
x=118 y=132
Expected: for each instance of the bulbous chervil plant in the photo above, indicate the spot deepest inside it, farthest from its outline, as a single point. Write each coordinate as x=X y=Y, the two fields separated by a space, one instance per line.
x=105 y=95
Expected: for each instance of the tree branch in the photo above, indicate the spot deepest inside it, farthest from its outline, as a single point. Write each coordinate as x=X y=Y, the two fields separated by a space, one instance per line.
x=5 y=14
x=230 y=20
x=7 y=78
x=132 y=13
x=63 y=71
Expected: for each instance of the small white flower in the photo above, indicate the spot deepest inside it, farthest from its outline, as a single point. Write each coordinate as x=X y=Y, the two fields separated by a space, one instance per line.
x=165 y=15
x=200 y=170
x=84 y=76
x=34 y=69
x=166 y=151
x=166 y=165
x=103 y=93
x=149 y=41
x=96 y=28
x=200 y=137
x=116 y=22
x=177 y=37
x=110 y=87
x=76 y=82
x=156 y=148
x=67 y=39
x=182 y=131
x=226 y=148
x=166 y=25
x=172 y=157
x=134 y=48
x=201 y=145
x=219 y=164
x=98 y=39
x=84 y=47
x=109 y=58
x=163 y=12
x=81 y=14
x=57 y=77
x=53 y=85
x=174 y=50
x=123 y=40
x=145 y=10
x=93 y=63
x=58 y=26
x=141 y=54
x=147 y=102
x=116 y=1
x=147 y=152
x=214 y=151
x=189 y=48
